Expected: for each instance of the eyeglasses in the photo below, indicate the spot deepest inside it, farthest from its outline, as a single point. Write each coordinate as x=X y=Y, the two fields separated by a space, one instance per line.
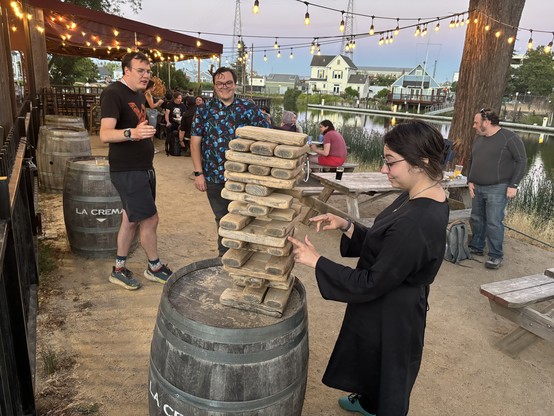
x=227 y=84
x=142 y=71
x=391 y=164
x=484 y=112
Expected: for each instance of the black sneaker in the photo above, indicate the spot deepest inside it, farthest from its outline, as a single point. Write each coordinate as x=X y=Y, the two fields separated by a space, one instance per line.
x=124 y=278
x=159 y=276
x=493 y=263
x=476 y=251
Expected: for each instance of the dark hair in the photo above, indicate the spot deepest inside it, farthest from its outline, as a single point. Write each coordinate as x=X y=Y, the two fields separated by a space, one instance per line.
x=266 y=108
x=168 y=96
x=488 y=114
x=328 y=124
x=177 y=94
x=128 y=57
x=190 y=101
x=223 y=69
x=150 y=84
x=415 y=141
x=202 y=98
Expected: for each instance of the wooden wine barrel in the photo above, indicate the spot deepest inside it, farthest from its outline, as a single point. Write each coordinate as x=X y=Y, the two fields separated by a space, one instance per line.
x=56 y=145
x=63 y=121
x=91 y=207
x=211 y=360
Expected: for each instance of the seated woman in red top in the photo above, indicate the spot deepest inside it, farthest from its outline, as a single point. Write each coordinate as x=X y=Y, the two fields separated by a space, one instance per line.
x=333 y=152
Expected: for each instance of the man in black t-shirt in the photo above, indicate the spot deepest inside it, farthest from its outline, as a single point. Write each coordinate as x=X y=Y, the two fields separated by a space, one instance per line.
x=174 y=112
x=125 y=127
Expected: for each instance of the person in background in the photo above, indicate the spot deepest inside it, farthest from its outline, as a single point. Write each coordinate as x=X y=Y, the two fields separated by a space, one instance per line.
x=124 y=126
x=333 y=152
x=378 y=351
x=186 y=124
x=267 y=113
x=213 y=128
x=151 y=106
x=173 y=112
x=496 y=166
x=288 y=122
x=199 y=100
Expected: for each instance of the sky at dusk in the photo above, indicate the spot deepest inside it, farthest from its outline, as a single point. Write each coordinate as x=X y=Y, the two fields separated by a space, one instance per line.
x=441 y=51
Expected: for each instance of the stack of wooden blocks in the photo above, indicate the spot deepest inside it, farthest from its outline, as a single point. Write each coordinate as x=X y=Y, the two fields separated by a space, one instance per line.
x=261 y=165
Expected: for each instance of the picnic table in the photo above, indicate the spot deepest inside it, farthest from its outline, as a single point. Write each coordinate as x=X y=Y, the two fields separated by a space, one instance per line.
x=354 y=184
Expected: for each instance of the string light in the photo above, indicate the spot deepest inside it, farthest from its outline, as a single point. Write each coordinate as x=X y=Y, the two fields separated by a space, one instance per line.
x=498 y=33
x=510 y=40
x=256 y=7
x=275 y=45
x=530 y=42
x=307 y=15
x=372 y=28
x=291 y=56
x=198 y=42
x=548 y=47
x=381 y=40
x=341 y=26
x=424 y=31
x=452 y=23
x=265 y=56
x=488 y=26
x=438 y=26
x=278 y=53
x=397 y=30
x=418 y=29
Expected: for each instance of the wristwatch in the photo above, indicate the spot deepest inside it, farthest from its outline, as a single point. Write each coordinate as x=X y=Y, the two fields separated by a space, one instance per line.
x=127 y=134
x=196 y=173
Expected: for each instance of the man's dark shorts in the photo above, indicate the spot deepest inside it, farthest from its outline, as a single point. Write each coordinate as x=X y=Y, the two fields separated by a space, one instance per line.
x=137 y=190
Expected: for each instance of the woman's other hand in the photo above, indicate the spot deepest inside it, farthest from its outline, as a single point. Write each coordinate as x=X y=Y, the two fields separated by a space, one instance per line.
x=329 y=222
x=304 y=252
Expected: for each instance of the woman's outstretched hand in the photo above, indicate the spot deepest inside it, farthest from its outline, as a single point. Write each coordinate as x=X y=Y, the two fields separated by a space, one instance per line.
x=304 y=252
x=329 y=222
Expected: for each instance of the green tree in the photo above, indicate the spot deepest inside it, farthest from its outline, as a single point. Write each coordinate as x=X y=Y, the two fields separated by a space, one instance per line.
x=179 y=80
x=66 y=70
x=383 y=80
x=351 y=93
x=454 y=86
x=289 y=103
x=535 y=74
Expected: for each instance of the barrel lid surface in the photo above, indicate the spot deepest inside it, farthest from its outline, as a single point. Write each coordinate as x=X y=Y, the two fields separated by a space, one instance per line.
x=92 y=160
x=194 y=290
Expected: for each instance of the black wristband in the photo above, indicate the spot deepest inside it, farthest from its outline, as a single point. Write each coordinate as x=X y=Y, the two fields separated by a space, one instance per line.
x=345 y=229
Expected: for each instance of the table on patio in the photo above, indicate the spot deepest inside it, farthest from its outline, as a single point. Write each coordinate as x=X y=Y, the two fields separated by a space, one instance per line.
x=374 y=184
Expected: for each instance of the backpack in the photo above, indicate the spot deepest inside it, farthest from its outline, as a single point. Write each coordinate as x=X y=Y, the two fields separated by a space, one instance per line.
x=457 y=242
x=172 y=145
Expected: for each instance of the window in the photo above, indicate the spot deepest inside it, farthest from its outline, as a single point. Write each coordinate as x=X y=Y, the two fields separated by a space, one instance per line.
x=321 y=73
x=336 y=89
x=338 y=61
x=337 y=74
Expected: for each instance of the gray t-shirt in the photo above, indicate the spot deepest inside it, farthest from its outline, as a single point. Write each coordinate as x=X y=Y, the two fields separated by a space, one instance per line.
x=497 y=159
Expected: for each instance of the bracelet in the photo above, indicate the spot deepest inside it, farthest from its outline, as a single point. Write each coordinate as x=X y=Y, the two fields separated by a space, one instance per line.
x=345 y=229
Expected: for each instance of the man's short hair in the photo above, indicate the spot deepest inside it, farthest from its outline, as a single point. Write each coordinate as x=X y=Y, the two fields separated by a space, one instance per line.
x=223 y=69
x=176 y=95
x=488 y=114
x=128 y=57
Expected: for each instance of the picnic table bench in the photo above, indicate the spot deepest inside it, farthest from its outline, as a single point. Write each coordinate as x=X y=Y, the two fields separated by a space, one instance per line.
x=348 y=167
x=524 y=301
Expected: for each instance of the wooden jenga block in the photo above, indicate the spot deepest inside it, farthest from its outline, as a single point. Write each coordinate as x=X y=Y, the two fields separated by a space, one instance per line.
x=254 y=267
x=254 y=295
x=235 y=166
x=256 y=210
x=269 y=181
x=257 y=190
x=241 y=145
x=279 y=265
x=276 y=228
x=263 y=148
x=236 y=258
x=272 y=135
x=273 y=251
x=277 y=298
x=290 y=152
x=253 y=234
x=235 y=186
x=259 y=170
x=271 y=161
x=286 y=173
x=275 y=200
x=234 y=221
x=230 y=243
x=233 y=297
x=246 y=281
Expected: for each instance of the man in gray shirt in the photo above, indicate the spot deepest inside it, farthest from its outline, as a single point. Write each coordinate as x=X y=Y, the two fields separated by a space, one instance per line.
x=497 y=164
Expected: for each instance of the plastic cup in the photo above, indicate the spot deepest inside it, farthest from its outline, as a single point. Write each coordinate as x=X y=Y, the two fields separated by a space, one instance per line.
x=338 y=174
x=458 y=170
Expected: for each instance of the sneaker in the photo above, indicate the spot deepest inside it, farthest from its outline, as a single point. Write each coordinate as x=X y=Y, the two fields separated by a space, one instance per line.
x=493 y=263
x=124 y=278
x=476 y=251
x=352 y=404
x=159 y=276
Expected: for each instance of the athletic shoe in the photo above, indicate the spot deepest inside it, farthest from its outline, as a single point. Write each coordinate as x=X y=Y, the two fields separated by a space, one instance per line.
x=476 y=251
x=493 y=263
x=159 y=276
x=124 y=278
x=352 y=404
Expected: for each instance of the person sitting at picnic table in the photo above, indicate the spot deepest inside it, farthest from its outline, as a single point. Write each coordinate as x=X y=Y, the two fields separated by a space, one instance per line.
x=288 y=122
x=379 y=349
x=333 y=152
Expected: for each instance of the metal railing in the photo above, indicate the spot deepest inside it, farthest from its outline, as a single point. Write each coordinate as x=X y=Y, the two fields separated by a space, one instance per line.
x=19 y=273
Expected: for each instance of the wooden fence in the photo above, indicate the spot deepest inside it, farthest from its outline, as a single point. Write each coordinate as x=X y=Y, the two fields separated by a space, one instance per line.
x=19 y=273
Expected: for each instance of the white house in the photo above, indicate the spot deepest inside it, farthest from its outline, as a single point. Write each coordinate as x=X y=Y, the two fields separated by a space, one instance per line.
x=280 y=83
x=331 y=74
x=417 y=87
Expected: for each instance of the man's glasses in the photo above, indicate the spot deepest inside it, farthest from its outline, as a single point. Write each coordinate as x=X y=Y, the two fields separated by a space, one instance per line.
x=227 y=84
x=484 y=112
x=391 y=164
x=142 y=71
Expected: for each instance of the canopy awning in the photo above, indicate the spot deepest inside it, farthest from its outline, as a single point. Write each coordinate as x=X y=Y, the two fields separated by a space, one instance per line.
x=77 y=31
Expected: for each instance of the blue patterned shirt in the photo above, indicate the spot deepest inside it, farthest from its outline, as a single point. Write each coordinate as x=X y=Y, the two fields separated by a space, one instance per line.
x=216 y=124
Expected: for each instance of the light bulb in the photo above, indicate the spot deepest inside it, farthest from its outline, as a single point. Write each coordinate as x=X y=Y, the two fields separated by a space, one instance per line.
x=256 y=7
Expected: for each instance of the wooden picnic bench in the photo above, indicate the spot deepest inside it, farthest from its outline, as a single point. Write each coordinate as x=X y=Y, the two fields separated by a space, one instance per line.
x=348 y=167
x=524 y=301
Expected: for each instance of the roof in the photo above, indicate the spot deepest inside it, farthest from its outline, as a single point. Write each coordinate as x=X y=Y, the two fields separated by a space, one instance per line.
x=324 y=60
x=357 y=79
x=78 y=31
x=411 y=79
x=384 y=69
x=282 y=78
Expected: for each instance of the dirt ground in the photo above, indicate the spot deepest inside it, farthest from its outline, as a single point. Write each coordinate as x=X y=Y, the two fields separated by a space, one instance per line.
x=100 y=334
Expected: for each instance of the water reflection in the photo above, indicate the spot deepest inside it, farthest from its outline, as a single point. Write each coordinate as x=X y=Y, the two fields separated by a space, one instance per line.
x=539 y=147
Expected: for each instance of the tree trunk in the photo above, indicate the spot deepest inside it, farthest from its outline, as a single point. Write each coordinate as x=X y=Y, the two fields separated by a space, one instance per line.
x=485 y=66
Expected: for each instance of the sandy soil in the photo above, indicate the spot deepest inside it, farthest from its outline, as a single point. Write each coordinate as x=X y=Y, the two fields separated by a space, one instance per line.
x=101 y=334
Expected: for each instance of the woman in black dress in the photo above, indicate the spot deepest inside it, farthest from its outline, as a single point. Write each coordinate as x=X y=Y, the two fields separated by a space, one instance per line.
x=378 y=351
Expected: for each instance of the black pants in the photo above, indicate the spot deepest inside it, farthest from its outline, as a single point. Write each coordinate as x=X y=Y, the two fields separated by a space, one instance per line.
x=220 y=208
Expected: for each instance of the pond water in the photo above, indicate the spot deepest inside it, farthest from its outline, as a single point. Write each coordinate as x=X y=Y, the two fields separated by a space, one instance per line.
x=539 y=147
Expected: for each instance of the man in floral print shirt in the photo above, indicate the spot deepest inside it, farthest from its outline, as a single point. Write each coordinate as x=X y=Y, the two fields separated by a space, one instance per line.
x=212 y=129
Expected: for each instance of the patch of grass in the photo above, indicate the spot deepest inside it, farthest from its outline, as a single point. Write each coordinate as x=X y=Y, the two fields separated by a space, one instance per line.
x=46 y=258
x=50 y=361
x=88 y=409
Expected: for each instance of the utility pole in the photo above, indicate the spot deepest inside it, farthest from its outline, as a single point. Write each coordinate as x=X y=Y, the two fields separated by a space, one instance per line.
x=237 y=32
x=348 y=31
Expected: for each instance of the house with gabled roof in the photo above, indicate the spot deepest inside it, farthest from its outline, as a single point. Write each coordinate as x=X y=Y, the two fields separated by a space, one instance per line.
x=417 y=87
x=332 y=74
x=280 y=83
